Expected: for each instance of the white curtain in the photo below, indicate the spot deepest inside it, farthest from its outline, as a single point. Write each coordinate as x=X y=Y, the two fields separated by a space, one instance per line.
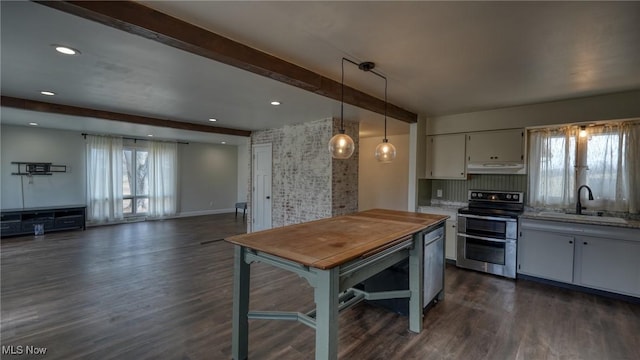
x=551 y=167
x=631 y=168
x=604 y=172
x=607 y=161
x=104 y=179
x=163 y=178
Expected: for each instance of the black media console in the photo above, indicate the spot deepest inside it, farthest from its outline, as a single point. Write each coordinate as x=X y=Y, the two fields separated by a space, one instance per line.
x=22 y=221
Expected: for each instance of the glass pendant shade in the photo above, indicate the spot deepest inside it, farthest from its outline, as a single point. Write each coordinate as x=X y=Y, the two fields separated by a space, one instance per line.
x=341 y=146
x=385 y=152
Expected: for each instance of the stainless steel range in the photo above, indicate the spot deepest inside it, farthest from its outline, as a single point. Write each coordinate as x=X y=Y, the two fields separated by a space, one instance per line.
x=488 y=232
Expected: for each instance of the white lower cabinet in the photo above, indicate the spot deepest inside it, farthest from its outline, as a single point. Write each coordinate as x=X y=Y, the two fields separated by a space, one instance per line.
x=607 y=264
x=546 y=255
x=451 y=230
x=600 y=257
x=452 y=237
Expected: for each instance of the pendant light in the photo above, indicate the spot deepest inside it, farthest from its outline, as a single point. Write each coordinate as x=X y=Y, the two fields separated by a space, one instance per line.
x=341 y=146
x=385 y=151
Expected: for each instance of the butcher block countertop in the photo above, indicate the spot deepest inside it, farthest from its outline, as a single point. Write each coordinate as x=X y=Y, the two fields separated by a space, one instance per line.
x=331 y=242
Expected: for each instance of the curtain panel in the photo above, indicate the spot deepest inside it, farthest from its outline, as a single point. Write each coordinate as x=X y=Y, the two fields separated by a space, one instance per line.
x=104 y=179
x=163 y=179
x=551 y=167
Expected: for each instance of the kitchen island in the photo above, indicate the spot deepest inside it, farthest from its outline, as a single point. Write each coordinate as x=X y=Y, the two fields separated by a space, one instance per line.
x=333 y=255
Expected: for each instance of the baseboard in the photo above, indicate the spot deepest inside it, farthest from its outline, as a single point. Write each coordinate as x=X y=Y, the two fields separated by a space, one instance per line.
x=205 y=212
x=133 y=219
x=612 y=295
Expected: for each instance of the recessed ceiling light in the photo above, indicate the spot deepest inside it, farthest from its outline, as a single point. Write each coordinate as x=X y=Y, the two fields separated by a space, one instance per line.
x=224 y=142
x=213 y=120
x=275 y=103
x=150 y=135
x=33 y=124
x=66 y=50
x=47 y=93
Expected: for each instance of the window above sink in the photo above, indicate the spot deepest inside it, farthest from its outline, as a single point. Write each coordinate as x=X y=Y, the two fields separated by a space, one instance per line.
x=604 y=157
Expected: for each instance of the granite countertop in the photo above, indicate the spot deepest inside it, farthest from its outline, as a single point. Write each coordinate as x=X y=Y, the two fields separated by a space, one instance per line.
x=442 y=207
x=582 y=219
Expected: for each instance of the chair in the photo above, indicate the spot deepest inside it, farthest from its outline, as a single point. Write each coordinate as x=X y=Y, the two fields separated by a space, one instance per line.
x=243 y=206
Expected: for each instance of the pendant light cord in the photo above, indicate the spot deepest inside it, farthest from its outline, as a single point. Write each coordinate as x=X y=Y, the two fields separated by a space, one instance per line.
x=385 y=109
x=366 y=67
x=342 y=99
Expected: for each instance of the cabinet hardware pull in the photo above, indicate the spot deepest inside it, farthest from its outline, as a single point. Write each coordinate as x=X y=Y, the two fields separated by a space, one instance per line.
x=585 y=243
x=570 y=242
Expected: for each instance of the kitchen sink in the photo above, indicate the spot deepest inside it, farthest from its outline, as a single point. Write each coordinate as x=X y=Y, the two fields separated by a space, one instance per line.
x=583 y=217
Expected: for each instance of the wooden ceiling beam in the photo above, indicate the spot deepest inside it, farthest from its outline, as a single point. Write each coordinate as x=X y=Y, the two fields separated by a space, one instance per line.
x=40 y=106
x=140 y=20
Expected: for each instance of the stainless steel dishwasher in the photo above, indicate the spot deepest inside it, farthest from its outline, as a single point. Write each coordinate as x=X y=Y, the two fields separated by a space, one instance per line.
x=396 y=277
x=433 y=264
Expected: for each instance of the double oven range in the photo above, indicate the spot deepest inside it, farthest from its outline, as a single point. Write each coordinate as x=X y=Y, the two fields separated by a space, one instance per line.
x=488 y=232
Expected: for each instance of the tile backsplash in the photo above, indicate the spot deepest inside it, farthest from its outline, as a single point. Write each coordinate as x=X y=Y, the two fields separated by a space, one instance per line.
x=456 y=190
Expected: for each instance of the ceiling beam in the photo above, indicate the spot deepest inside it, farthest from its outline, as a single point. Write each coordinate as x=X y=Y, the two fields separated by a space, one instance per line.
x=140 y=20
x=40 y=106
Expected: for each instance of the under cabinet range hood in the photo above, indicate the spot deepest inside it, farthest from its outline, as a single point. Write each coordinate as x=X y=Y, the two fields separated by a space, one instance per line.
x=496 y=168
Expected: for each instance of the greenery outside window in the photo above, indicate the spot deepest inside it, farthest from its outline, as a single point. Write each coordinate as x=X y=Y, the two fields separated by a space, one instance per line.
x=135 y=182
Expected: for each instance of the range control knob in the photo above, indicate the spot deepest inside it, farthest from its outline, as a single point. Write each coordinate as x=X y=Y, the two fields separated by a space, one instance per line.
x=474 y=195
x=509 y=196
x=515 y=196
x=479 y=195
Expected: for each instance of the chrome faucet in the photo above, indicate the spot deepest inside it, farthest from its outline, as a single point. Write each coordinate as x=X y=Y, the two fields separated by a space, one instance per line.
x=579 y=204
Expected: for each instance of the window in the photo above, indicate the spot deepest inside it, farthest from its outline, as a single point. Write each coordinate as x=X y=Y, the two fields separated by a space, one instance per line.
x=560 y=160
x=135 y=181
x=128 y=180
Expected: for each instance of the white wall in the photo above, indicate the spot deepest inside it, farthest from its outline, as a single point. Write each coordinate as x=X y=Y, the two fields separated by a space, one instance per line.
x=208 y=181
x=244 y=171
x=623 y=105
x=33 y=144
x=383 y=185
x=208 y=173
x=417 y=160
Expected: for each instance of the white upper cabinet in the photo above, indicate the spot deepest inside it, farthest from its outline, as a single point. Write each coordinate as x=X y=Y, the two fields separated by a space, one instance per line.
x=446 y=157
x=492 y=152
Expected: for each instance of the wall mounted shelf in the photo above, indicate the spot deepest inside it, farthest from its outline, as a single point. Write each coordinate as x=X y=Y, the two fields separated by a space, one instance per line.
x=37 y=168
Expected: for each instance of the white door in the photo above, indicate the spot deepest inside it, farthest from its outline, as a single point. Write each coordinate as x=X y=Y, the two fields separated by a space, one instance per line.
x=261 y=197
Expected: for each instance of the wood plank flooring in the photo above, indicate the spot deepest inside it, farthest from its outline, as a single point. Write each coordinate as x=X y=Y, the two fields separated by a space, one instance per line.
x=163 y=290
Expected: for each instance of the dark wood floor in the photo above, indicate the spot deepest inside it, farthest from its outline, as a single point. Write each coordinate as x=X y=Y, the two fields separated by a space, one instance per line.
x=162 y=290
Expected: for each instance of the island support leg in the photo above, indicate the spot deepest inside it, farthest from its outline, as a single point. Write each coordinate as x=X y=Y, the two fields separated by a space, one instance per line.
x=416 y=283
x=326 y=298
x=240 y=320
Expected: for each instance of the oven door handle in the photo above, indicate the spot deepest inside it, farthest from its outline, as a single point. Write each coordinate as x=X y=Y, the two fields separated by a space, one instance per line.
x=488 y=217
x=484 y=238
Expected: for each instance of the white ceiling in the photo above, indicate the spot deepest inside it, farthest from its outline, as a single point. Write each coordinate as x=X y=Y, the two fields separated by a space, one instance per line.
x=439 y=57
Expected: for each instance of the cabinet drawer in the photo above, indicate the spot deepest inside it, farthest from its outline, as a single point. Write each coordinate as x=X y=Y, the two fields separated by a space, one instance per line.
x=9 y=227
x=69 y=222
x=27 y=226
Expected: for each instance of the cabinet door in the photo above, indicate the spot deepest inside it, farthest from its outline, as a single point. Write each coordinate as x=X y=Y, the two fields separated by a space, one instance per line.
x=545 y=254
x=609 y=264
x=452 y=237
x=446 y=156
x=488 y=147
